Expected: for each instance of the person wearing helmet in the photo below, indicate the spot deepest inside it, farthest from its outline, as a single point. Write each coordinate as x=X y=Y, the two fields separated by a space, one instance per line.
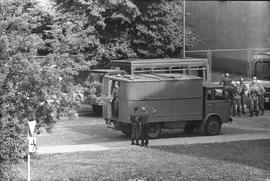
x=237 y=99
x=135 y=126
x=143 y=119
x=243 y=89
x=115 y=99
x=253 y=93
x=261 y=92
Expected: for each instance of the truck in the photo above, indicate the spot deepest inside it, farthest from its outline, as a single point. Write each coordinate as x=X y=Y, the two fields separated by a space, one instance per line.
x=178 y=101
x=192 y=66
x=259 y=66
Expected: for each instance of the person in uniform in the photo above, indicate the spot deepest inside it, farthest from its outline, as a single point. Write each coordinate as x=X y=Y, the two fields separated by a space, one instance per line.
x=143 y=119
x=237 y=99
x=228 y=91
x=243 y=89
x=135 y=126
x=261 y=92
x=115 y=99
x=253 y=97
x=227 y=83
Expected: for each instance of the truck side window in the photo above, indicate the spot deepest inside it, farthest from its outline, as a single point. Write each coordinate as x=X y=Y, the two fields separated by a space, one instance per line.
x=218 y=94
x=215 y=94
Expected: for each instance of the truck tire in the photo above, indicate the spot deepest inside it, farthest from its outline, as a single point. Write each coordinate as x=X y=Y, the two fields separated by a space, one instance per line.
x=212 y=126
x=154 y=130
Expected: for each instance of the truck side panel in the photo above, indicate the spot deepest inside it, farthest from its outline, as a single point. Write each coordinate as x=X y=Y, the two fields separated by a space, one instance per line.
x=162 y=107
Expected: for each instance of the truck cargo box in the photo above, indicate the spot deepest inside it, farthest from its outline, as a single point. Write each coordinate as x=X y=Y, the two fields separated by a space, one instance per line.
x=175 y=97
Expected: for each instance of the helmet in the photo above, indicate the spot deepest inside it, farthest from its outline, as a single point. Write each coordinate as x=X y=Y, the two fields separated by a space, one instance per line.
x=241 y=79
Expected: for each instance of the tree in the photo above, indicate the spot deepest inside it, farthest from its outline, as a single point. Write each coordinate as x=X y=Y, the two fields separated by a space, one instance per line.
x=134 y=28
x=32 y=87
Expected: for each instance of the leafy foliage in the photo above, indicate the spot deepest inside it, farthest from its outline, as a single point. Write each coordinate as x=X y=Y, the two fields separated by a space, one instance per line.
x=32 y=88
x=42 y=51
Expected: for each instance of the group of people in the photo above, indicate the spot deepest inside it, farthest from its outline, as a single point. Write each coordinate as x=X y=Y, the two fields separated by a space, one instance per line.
x=140 y=126
x=235 y=92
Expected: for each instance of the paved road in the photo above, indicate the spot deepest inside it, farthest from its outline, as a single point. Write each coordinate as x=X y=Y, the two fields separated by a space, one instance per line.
x=91 y=134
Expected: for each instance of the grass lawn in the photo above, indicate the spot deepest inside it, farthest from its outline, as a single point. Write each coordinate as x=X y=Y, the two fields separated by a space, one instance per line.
x=245 y=160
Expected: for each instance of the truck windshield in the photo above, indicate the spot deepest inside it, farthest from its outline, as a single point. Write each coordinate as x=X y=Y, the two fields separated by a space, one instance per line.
x=262 y=70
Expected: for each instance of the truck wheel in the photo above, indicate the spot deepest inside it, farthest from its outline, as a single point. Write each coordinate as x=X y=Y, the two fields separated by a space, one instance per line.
x=154 y=130
x=212 y=126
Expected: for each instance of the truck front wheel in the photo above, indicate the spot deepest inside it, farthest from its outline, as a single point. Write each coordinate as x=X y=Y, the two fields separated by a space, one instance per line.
x=212 y=126
x=154 y=130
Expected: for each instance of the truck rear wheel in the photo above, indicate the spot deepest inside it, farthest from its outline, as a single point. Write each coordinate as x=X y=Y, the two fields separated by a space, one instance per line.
x=212 y=126
x=154 y=130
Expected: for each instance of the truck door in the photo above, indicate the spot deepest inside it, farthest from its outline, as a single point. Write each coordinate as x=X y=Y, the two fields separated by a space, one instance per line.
x=215 y=102
x=107 y=87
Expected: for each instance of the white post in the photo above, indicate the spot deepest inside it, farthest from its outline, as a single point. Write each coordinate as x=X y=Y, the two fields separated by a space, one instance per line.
x=28 y=163
x=184 y=28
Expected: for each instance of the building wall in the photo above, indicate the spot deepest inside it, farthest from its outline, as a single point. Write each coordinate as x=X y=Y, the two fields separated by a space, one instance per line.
x=230 y=25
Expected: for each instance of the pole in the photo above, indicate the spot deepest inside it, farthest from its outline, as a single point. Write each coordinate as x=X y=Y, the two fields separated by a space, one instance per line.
x=184 y=28
x=209 y=57
x=28 y=164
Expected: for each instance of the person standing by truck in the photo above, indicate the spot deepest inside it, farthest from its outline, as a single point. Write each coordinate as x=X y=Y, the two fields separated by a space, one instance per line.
x=237 y=99
x=226 y=81
x=261 y=92
x=115 y=99
x=143 y=119
x=135 y=126
x=253 y=97
x=243 y=89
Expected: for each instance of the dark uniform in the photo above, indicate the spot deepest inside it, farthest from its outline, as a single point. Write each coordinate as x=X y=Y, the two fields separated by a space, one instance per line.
x=261 y=92
x=115 y=102
x=253 y=99
x=227 y=83
x=143 y=119
x=134 y=118
x=243 y=89
x=237 y=100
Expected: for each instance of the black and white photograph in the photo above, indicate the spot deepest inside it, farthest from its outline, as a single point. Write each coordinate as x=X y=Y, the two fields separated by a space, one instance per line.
x=134 y=90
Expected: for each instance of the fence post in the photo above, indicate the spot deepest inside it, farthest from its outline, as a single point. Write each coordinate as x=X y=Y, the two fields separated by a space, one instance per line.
x=249 y=62
x=209 y=71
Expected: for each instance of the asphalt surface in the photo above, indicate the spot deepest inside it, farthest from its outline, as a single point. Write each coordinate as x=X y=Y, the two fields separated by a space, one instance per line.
x=92 y=134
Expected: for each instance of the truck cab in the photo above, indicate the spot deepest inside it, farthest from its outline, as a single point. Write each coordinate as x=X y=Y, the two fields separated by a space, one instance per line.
x=259 y=67
x=178 y=101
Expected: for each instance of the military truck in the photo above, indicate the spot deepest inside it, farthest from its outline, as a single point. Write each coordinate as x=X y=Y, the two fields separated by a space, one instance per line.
x=177 y=100
x=259 y=66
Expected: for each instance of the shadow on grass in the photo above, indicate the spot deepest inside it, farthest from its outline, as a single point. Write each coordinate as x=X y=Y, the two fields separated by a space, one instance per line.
x=252 y=153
